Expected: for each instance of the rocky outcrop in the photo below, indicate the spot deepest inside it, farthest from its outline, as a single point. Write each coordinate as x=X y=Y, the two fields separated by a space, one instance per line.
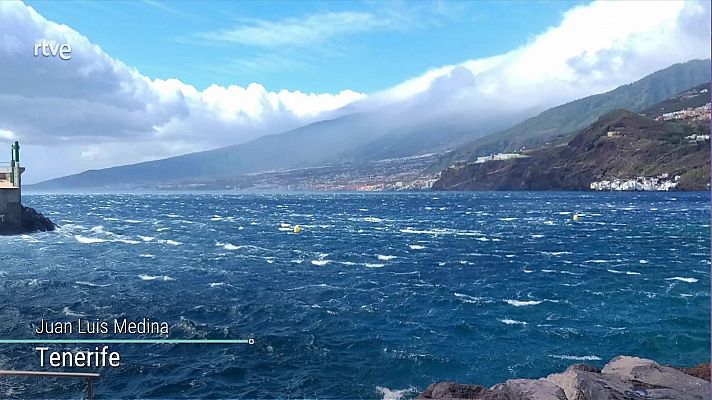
x=514 y=389
x=701 y=371
x=32 y=221
x=623 y=378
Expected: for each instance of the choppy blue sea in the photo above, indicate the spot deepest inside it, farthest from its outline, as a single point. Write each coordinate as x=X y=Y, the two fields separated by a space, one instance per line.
x=377 y=297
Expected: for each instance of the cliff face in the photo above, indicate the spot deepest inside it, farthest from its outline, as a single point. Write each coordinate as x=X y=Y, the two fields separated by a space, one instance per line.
x=620 y=145
x=32 y=221
x=622 y=378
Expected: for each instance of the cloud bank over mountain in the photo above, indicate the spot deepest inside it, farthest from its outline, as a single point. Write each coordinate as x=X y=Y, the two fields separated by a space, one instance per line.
x=100 y=112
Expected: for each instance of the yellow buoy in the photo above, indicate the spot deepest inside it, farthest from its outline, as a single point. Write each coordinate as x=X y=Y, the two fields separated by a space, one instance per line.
x=297 y=228
x=577 y=218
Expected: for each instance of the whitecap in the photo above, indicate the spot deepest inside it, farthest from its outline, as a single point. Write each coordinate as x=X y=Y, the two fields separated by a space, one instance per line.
x=385 y=258
x=512 y=322
x=682 y=279
x=518 y=303
x=614 y=271
x=416 y=246
x=147 y=256
x=146 y=238
x=389 y=394
x=471 y=299
x=91 y=284
x=320 y=263
x=155 y=277
x=371 y=265
x=71 y=313
x=422 y=232
x=88 y=240
x=127 y=241
x=133 y=221
x=556 y=253
x=227 y=246
x=576 y=358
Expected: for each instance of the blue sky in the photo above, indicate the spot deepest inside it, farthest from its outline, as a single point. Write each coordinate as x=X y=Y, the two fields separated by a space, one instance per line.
x=150 y=80
x=298 y=45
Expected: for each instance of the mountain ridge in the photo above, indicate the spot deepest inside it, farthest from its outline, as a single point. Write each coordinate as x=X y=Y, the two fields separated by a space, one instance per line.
x=564 y=120
x=367 y=136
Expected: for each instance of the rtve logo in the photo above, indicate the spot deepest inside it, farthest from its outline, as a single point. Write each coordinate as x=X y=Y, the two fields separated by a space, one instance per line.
x=52 y=49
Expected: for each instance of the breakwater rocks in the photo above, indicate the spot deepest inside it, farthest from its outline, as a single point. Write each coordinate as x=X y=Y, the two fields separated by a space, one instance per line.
x=31 y=221
x=623 y=378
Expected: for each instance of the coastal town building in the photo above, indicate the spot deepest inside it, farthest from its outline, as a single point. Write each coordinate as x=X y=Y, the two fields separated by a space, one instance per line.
x=660 y=183
x=499 y=157
x=696 y=114
x=697 y=138
x=11 y=189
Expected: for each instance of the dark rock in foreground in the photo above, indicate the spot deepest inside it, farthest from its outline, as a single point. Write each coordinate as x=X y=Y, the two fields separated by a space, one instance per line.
x=623 y=378
x=32 y=221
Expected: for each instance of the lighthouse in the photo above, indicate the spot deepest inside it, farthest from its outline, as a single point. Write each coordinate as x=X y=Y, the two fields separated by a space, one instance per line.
x=11 y=189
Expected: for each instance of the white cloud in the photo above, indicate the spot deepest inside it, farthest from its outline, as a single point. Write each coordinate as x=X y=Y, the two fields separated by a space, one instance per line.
x=99 y=101
x=306 y=31
x=100 y=112
x=595 y=48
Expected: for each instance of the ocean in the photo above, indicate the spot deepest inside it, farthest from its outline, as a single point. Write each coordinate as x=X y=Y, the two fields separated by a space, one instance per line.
x=378 y=296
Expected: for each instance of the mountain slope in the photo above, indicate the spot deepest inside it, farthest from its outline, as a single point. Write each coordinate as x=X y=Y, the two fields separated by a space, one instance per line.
x=619 y=145
x=568 y=118
x=353 y=138
x=396 y=131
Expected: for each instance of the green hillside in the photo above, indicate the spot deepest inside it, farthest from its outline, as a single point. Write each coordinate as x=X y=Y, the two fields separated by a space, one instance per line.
x=563 y=121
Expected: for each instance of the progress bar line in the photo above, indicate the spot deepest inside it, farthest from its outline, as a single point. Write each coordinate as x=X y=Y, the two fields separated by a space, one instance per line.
x=126 y=341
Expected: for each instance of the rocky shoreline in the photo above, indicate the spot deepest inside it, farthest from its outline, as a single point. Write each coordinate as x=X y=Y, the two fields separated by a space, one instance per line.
x=32 y=221
x=623 y=378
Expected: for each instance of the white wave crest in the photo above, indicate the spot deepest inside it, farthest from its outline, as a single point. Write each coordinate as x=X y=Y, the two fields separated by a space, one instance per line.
x=68 y=312
x=682 y=279
x=155 y=277
x=91 y=284
x=518 y=303
x=615 y=271
x=575 y=358
x=512 y=322
x=389 y=394
x=88 y=240
x=227 y=246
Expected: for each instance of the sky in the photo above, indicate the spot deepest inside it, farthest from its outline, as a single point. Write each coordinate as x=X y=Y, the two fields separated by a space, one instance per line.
x=151 y=79
x=301 y=45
